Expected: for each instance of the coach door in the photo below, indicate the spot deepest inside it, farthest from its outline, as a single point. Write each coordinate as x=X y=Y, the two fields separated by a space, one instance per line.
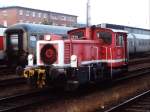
x=14 y=45
x=14 y=41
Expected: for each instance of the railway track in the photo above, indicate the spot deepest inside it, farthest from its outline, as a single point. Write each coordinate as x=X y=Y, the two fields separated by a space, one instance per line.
x=13 y=86
x=12 y=81
x=139 y=71
x=20 y=101
x=83 y=92
x=139 y=103
x=5 y=70
x=138 y=60
x=87 y=99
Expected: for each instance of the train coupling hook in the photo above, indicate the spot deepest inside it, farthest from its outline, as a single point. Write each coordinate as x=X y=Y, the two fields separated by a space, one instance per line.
x=41 y=78
x=28 y=72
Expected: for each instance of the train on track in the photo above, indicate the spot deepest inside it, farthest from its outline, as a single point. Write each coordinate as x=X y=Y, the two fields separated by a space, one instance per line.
x=2 y=29
x=89 y=54
x=20 y=40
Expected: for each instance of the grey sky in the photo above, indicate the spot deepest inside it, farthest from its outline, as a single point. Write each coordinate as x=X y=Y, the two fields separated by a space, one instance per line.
x=124 y=12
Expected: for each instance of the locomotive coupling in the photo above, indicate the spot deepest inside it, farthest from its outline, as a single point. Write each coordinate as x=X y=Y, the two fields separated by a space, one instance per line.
x=41 y=78
x=38 y=73
x=28 y=72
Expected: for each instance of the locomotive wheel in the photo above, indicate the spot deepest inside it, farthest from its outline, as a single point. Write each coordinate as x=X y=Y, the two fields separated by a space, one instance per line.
x=32 y=81
x=19 y=70
x=71 y=86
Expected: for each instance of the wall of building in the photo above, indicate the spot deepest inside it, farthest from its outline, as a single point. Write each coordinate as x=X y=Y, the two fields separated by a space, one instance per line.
x=12 y=15
x=8 y=17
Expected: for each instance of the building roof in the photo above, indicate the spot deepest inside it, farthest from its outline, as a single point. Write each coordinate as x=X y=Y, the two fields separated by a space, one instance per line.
x=19 y=7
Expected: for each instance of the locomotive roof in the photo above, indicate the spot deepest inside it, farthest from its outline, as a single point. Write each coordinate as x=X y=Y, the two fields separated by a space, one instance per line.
x=38 y=28
x=114 y=30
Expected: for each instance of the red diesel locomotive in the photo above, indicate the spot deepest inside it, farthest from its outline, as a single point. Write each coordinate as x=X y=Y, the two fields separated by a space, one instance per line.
x=89 y=54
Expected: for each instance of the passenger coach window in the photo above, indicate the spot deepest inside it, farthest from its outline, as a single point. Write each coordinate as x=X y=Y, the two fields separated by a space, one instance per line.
x=14 y=41
x=32 y=40
x=105 y=36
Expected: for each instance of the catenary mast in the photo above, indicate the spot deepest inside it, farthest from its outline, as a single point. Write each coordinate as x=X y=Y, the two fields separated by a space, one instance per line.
x=88 y=16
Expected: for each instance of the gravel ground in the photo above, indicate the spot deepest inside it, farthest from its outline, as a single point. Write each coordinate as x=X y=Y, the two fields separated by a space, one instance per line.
x=5 y=77
x=12 y=90
x=99 y=100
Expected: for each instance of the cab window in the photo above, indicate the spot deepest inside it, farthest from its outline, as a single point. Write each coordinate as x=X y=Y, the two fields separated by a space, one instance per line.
x=105 y=36
x=119 y=40
x=77 y=35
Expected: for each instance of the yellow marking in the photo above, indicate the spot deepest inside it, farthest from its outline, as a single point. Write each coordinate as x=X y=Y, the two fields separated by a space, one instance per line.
x=25 y=73
x=28 y=73
x=41 y=77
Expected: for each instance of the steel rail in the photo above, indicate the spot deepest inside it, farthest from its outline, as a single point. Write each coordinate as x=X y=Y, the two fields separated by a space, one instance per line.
x=8 y=103
x=117 y=107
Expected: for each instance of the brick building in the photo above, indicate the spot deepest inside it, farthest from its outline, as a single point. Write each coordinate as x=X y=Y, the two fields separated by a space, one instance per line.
x=16 y=14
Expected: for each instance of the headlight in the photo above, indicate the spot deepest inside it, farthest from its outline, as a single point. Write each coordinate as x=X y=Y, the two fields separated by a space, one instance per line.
x=47 y=37
x=74 y=61
x=30 y=60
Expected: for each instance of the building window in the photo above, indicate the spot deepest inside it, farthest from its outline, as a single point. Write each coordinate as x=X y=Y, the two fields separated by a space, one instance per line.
x=71 y=19
x=4 y=11
x=20 y=12
x=27 y=13
x=44 y=15
x=33 y=14
x=5 y=23
x=27 y=21
x=54 y=17
x=20 y=21
x=63 y=18
x=39 y=15
x=55 y=24
x=63 y=24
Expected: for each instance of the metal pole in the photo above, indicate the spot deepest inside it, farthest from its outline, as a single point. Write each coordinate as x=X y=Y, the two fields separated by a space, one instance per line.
x=149 y=12
x=88 y=16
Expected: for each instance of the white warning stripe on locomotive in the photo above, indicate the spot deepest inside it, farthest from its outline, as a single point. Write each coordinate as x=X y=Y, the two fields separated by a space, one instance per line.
x=98 y=61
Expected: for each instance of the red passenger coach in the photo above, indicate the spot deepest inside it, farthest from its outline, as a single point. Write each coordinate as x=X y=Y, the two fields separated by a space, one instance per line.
x=89 y=54
x=2 y=43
